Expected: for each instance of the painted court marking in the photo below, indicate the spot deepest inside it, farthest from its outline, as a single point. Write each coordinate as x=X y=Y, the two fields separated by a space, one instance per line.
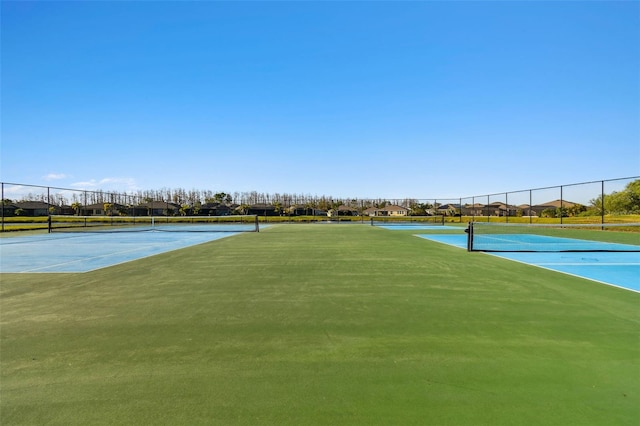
x=53 y=253
x=618 y=269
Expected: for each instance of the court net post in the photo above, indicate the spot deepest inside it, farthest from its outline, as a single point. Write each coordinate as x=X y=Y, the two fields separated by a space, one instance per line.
x=469 y=232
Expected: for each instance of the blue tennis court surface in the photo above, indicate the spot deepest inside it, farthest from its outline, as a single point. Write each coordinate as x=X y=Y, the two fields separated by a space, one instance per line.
x=619 y=269
x=87 y=252
x=531 y=242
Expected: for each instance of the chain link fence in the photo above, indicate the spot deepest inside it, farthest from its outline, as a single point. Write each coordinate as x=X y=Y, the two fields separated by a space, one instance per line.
x=612 y=200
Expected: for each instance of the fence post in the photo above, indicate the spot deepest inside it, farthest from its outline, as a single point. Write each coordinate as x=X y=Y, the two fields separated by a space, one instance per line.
x=506 y=202
x=2 y=184
x=473 y=208
x=602 y=200
x=561 y=205
x=488 y=211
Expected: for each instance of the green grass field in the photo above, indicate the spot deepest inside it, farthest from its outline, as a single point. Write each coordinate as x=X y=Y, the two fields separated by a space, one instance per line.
x=318 y=325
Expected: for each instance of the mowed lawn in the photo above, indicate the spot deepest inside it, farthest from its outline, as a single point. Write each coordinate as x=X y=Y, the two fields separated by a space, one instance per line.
x=318 y=325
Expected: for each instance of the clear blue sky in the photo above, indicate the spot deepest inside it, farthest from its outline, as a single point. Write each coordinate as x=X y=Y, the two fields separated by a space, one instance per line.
x=348 y=99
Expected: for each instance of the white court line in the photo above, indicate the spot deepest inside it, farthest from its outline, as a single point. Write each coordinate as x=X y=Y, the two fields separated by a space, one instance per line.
x=540 y=265
x=587 y=264
x=162 y=245
x=83 y=259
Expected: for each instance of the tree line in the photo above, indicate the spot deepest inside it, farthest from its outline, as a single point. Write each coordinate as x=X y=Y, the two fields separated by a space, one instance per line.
x=196 y=197
x=626 y=201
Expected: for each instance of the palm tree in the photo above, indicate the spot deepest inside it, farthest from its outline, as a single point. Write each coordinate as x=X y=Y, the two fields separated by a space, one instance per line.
x=76 y=207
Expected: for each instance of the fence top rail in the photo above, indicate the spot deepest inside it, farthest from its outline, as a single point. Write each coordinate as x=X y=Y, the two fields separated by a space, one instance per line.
x=67 y=189
x=552 y=187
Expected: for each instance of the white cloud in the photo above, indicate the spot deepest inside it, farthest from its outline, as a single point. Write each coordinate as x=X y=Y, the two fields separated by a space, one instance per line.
x=14 y=189
x=108 y=184
x=89 y=184
x=54 y=176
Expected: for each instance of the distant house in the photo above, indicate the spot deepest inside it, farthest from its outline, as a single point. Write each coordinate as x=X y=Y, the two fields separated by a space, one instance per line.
x=216 y=209
x=347 y=211
x=35 y=208
x=499 y=208
x=304 y=210
x=65 y=209
x=448 y=209
x=371 y=211
x=502 y=209
x=262 y=210
x=391 y=210
x=525 y=209
x=551 y=205
x=97 y=209
x=8 y=209
x=157 y=208
x=476 y=209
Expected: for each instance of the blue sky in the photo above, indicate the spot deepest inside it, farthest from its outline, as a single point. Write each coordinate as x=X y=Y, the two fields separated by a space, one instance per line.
x=348 y=99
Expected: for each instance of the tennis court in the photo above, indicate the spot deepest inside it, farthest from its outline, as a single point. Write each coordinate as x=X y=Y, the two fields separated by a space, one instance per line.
x=87 y=243
x=308 y=324
x=598 y=262
x=90 y=251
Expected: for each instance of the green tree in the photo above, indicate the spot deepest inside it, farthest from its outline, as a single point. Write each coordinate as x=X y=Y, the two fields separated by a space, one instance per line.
x=576 y=210
x=76 y=208
x=278 y=206
x=626 y=201
x=420 y=209
x=242 y=209
x=561 y=212
x=633 y=196
x=184 y=209
x=222 y=197
x=550 y=212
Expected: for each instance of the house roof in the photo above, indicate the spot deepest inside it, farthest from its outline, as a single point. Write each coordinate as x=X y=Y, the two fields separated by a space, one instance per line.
x=158 y=205
x=393 y=208
x=558 y=203
x=32 y=205
x=101 y=205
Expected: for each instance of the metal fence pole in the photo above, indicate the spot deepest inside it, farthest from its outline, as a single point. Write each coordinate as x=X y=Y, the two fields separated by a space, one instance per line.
x=488 y=211
x=2 y=206
x=602 y=201
x=506 y=202
x=473 y=208
x=561 y=205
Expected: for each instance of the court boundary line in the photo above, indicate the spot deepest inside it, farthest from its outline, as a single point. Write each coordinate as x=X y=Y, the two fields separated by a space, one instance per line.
x=538 y=265
x=39 y=269
x=500 y=255
x=83 y=259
